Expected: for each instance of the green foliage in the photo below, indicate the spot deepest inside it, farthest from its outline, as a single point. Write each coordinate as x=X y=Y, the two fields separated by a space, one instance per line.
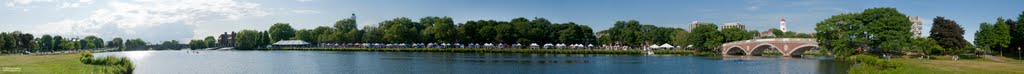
x=135 y=44
x=948 y=34
x=632 y=33
x=250 y=39
x=844 y=33
x=680 y=38
x=197 y=44
x=993 y=37
x=705 y=37
x=281 y=31
x=736 y=34
x=121 y=65
x=440 y=29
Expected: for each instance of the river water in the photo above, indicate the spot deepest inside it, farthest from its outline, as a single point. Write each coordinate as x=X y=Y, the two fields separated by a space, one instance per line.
x=359 y=62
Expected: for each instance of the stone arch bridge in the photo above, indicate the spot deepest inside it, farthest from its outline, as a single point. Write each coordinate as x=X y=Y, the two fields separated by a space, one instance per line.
x=787 y=46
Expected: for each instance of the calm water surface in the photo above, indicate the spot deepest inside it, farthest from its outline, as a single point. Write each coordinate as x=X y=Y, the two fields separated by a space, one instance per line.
x=356 y=62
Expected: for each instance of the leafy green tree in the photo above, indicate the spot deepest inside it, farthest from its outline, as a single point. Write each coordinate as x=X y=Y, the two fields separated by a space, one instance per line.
x=57 y=43
x=680 y=38
x=305 y=35
x=196 y=44
x=735 y=34
x=841 y=34
x=210 y=41
x=135 y=44
x=705 y=37
x=441 y=29
x=248 y=39
x=947 y=33
x=926 y=46
x=281 y=31
x=46 y=43
x=994 y=37
x=346 y=24
x=373 y=34
x=400 y=30
x=116 y=42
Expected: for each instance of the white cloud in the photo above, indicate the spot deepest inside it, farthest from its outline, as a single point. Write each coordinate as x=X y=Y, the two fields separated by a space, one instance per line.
x=305 y=11
x=55 y=3
x=153 y=19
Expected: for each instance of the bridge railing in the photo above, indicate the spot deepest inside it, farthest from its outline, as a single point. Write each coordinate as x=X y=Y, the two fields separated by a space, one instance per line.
x=769 y=39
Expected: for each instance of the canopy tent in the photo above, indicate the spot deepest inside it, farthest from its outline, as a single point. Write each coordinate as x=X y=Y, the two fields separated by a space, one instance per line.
x=290 y=43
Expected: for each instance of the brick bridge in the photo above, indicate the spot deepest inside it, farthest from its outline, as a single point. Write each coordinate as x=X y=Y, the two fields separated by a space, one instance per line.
x=787 y=46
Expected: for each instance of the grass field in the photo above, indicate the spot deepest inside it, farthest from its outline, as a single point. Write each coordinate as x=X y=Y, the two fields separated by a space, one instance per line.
x=942 y=66
x=49 y=64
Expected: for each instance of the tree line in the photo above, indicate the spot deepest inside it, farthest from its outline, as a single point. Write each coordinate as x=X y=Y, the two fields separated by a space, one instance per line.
x=17 y=42
x=517 y=30
x=886 y=31
x=1001 y=36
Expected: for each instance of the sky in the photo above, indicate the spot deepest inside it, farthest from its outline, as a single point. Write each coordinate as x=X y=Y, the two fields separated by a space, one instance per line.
x=184 y=20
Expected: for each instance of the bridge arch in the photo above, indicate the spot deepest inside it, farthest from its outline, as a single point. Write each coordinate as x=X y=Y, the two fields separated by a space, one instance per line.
x=799 y=50
x=734 y=50
x=760 y=48
x=786 y=46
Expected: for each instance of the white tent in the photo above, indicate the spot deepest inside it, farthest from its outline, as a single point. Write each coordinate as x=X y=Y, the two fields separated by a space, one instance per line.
x=654 y=46
x=590 y=45
x=533 y=44
x=666 y=46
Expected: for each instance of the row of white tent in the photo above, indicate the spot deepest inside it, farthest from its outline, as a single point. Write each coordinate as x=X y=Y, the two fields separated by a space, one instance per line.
x=665 y=46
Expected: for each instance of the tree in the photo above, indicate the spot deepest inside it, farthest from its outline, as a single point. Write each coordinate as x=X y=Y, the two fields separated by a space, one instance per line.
x=134 y=44
x=305 y=35
x=57 y=43
x=210 y=41
x=196 y=44
x=705 y=37
x=947 y=33
x=926 y=46
x=46 y=43
x=994 y=37
x=680 y=37
x=735 y=34
x=116 y=42
x=400 y=30
x=841 y=34
x=281 y=31
x=345 y=24
x=889 y=28
x=441 y=29
x=92 y=42
x=248 y=39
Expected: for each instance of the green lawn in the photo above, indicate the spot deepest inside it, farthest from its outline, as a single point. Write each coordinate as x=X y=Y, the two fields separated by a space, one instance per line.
x=48 y=64
x=968 y=66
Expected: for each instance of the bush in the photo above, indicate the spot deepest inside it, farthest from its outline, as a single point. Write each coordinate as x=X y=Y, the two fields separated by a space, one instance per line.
x=118 y=65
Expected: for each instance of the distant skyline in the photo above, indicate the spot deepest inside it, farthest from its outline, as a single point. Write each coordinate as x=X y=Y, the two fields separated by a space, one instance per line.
x=183 y=20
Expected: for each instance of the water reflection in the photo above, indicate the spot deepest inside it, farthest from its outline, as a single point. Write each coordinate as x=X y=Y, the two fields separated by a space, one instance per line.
x=346 y=62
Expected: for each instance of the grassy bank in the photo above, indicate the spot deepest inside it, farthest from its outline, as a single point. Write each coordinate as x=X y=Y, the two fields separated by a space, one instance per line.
x=484 y=50
x=873 y=65
x=54 y=64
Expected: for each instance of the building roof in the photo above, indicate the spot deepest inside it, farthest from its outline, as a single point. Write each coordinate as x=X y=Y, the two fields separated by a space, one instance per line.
x=291 y=42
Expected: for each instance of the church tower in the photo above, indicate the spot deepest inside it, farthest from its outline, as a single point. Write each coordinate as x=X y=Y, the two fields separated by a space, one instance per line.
x=782 y=25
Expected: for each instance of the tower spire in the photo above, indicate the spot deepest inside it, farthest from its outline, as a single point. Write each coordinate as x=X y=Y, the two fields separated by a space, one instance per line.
x=782 y=25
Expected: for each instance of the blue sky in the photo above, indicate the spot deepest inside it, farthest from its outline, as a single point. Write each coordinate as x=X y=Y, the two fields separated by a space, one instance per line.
x=158 y=20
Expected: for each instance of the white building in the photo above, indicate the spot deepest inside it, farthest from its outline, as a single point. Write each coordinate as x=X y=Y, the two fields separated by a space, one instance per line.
x=694 y=25
x=915 y=25
x=734 y=25
x=782 y=25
